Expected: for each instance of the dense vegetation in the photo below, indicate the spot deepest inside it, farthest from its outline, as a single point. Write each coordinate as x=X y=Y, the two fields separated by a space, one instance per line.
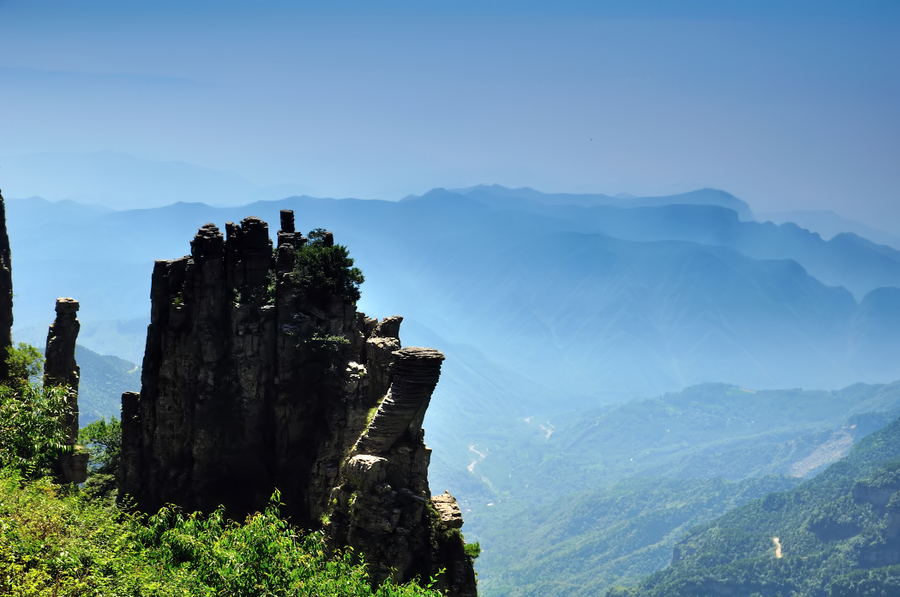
x=56 y=541
x=836 y=534
x=65 y=541
x=31 y=436
x=324 y=271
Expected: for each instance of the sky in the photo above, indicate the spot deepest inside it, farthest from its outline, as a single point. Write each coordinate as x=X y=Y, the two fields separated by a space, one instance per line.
x=787 y=105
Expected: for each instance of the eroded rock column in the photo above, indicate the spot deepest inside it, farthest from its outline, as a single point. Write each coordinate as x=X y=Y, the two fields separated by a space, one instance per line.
x=60 y=369
x=384 y=508
x=6 y=294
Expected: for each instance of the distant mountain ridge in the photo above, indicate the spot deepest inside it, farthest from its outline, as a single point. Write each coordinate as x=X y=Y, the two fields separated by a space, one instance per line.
x=499 y=196
x=641 y=299
x=119 y=180
x=828 y=224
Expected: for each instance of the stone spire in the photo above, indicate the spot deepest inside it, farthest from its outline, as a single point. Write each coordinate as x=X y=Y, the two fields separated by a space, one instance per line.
x=60 y=369
x=6 y=294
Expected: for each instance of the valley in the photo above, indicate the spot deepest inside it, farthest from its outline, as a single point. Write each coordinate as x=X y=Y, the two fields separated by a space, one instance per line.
x=588 y=465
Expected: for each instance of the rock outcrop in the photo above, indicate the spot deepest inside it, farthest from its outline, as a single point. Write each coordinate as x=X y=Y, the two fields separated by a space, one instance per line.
x=6 y=293
x=257 y=377
x=60 y=369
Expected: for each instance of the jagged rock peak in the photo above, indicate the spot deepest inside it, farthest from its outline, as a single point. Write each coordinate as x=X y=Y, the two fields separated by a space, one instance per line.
x=208 y=241
x=6 y=293
x=250 y=382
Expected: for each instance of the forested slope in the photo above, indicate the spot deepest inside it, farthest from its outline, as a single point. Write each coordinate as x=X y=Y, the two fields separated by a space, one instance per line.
x=837 y=534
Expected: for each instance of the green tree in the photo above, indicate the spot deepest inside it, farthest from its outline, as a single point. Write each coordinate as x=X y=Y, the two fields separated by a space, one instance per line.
x=26 y=364
x=32 y=428
x=323 y=272
x=103 y=441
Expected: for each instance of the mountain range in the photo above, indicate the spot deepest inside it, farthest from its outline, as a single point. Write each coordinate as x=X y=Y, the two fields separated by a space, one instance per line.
x=552 y=311
x=596 y=299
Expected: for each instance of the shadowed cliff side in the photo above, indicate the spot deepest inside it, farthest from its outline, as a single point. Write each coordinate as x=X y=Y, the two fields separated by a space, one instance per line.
x=6 y=293
x=259 y=373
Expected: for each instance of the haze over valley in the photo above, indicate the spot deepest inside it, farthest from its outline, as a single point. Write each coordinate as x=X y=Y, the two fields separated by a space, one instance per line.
x=658 y=244
x=572 y=326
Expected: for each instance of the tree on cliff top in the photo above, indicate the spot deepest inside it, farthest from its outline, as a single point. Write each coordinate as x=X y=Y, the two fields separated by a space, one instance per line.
x=325 y=270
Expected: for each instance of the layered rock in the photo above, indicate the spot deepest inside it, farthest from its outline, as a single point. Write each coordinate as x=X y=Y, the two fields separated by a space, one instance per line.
x=60 y=369
x=6 y=294
x=383 y=507
x=252 y=381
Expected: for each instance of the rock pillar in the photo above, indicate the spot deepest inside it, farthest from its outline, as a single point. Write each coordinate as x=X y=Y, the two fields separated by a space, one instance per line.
x=6 y=294
x=60 y=369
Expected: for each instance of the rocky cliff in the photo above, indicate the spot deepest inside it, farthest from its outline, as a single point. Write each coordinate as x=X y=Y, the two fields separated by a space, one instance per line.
x=6 y=293
x=259 y=373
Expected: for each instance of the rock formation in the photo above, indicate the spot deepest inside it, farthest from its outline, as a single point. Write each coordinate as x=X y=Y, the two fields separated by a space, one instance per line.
x=60 y=369
x=257 y=376
x=6 y=293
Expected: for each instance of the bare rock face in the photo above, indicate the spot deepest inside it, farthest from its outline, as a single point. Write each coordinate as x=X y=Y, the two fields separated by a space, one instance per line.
x=251 y=383
x=60 y=369
x=383 y=507
x=6 y=293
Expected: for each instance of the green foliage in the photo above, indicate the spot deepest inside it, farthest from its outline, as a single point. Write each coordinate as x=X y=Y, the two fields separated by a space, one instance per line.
x=103 y=441
x=64 y=544
x=473 y=550
x=258 y=296
x=325 y=351
x=25 y=362
x=324 y=272
x=32 y=430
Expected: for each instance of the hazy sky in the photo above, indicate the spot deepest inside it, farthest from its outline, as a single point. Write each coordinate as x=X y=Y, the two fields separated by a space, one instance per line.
x=786 y=105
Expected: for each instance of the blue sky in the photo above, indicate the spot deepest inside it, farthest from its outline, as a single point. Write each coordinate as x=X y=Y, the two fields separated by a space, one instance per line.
x=788 y=105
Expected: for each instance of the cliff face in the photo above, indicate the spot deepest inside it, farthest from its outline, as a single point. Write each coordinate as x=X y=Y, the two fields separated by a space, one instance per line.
x=254 y=380
x=6 y=293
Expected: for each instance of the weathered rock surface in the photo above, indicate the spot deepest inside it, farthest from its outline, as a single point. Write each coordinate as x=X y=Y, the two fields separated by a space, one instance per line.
x=251 y=383
x=60 y=369
x=6 y=293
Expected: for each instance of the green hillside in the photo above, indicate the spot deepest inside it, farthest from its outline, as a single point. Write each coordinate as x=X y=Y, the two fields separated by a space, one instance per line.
x=600 y=538
x=573 y=503
x=55 y=541
x=837 y=534
x=103 y=379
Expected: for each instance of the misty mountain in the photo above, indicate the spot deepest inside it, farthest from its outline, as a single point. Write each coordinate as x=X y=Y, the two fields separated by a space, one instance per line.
x=707 y=216
x=546 y=312
x=502 y=197
x=600 y=301
x=828 y=225
x=124 y=181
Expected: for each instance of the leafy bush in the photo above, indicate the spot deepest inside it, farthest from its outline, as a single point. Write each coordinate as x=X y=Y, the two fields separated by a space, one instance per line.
x=103 y=441
x=32 y=428
x=55 y=542
x=25 y=362
x=473 y=550
x=322 y=272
